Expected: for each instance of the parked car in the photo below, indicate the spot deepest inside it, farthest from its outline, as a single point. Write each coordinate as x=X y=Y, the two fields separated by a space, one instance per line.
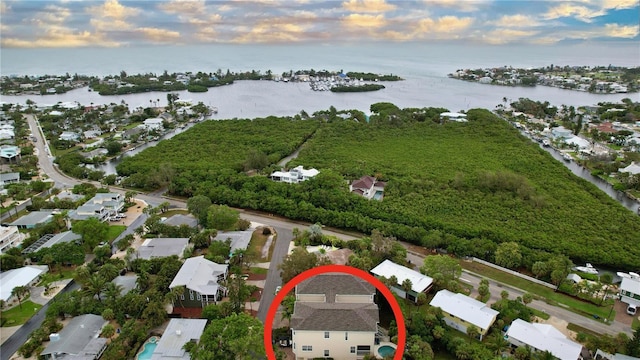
x=278 y=289
x=631 y=310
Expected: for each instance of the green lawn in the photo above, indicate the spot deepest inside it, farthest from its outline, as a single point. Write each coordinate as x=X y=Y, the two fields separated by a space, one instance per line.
x=18 y=316
x=636 y=323
x=114 y=231
x=59 y=274
x=258 y=240
x=550 y=296
x=170 y=213
x=259 y=271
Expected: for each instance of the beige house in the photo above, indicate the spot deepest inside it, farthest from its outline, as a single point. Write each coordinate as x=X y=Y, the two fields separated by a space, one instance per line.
x=334 y=316
x=461 y=311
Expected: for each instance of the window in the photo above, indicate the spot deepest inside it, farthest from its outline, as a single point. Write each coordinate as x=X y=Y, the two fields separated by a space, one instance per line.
x=198 y=296
x=182 y=297
x=307 y=348
x=353 y=349
x=346 y=335
x=326 y=353
x=326 y=334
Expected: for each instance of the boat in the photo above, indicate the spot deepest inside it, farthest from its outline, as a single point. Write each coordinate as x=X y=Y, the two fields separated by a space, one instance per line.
x=587 y=269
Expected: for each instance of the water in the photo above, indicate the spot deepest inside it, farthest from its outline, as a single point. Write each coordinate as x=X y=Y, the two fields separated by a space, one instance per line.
x=386 y=350
x=147 y=351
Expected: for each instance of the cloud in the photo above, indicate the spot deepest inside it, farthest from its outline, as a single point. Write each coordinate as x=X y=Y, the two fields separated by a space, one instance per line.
x=606 y=31
x=445 y=24
x=504 y=36
x=581 y=13
x=517 y=20
x=619 y=31
x=461 y=5
x=113 y=9
x=367 y=6
x=364 y=21
x=273 y=30
x=4 y=8
x=188 y=7
x=620 y=4
x=158 y=35
x=58 y=38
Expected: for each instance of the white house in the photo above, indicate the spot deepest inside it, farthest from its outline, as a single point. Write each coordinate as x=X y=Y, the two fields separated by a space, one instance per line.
x=461 y=311
x=581 y=143
x=334 y=316
x=543 y=337
x=69 y=136
x=24 y=276
x=451 y=116
x=632 y=169
x=630 y=290
x=295 y=175
x=10 y=237
x=419 y=283
x=200 y=278
x=368 y=187
x=101 y=206
x=153 y=124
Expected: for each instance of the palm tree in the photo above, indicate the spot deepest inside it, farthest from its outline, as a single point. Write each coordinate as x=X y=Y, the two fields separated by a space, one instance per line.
x=20 y=292
x=112 y=292
x=94 y=286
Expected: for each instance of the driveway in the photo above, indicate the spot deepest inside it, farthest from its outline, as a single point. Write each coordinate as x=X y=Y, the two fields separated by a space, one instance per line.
x=284 y=237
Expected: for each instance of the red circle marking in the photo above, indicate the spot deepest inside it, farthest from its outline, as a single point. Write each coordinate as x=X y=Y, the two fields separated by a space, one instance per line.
x=271 y=314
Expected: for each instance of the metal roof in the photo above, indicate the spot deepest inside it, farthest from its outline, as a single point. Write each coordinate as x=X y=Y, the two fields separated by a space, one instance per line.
x=544 y=337
x=388 y=268
x=465 y=308
x=178 y=333
x=76 y=335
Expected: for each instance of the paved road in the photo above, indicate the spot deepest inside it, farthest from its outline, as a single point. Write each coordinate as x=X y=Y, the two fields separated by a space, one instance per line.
x=11 y=345
x=280 y=250
x=139 y=221
x=7 y=217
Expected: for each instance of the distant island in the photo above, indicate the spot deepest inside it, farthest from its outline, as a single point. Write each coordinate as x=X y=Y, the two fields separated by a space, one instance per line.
x=124 y=83
x=357 y=88
x=597 y=80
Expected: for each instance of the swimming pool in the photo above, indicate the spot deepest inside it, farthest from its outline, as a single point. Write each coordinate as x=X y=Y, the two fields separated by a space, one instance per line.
x=378 y=195
x=386 y=350
x=147 y=349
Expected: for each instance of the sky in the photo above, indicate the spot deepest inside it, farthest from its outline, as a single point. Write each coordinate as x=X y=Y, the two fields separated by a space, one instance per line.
x=123 y=23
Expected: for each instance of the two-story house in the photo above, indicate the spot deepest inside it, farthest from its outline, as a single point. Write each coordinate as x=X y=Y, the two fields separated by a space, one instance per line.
x=461 y=311
x=368 y=187
x=295 y=175
x=334 y=316
x=201 y=281
x=630 y=292
x=10 y=237
x=101 y=206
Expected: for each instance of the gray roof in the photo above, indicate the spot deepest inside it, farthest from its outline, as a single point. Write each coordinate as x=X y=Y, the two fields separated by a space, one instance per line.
x=34 y=218
x=200 y=275
x=178 y=333
x=162 y=247
x=76 y=335
x=48 y=240
x=335 y=316
x=335 y=284
x=179 y=219
x=13 y=176
x=239 y=239
x=128 y=283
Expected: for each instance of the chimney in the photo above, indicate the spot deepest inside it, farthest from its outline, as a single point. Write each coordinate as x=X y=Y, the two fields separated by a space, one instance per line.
x=54 y=337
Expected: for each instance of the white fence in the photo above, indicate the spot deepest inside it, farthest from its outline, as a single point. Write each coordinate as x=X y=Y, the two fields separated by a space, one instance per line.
x=514 y=273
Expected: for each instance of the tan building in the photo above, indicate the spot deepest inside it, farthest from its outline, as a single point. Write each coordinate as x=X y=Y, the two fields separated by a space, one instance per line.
x=461 y=311
x=334 y=316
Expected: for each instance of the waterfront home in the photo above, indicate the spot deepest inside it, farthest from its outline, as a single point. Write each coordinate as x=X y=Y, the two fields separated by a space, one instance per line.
x=79 y=339
x=461 y=311
x=630 y=290
x=101 y=206
x=543 y=337
x=368 y=187
x=334 y=316
x=419 y=283
x=295 y=175
x=25 y=276
x=632 y=169
x=10 y=237
x=200 y=278
x=153 y=124
x=178 y=333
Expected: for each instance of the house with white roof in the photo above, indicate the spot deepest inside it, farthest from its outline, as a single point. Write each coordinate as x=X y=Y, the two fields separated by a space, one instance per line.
x=452 y=116
x=543 y=337
x=630 y=290
x=10 y=237
x=69 y=136
x=176 y=335
x=419 y=283
x=461 y=311
x=200 y=278
x=295 y=175
x=632 y=169
x=153 y=124
x=101 y=206
x=24 y=276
